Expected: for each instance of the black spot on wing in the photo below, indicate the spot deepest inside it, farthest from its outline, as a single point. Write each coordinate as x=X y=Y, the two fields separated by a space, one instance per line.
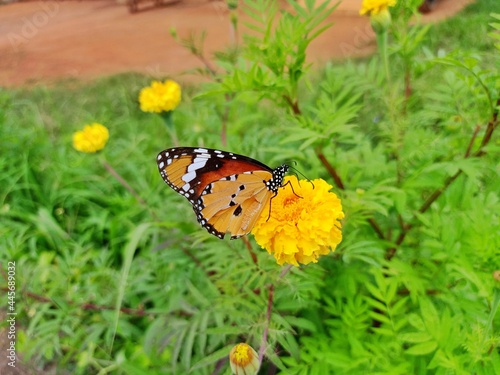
x=237 y=211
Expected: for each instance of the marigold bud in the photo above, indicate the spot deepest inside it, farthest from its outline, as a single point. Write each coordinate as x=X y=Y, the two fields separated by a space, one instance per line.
x=244 y=360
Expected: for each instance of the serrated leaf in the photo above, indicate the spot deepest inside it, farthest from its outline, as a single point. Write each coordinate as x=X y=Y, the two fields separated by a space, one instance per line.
x=380 y=317
x=384 y=331
x=224 y=330
x=415 y=337
x=375 y=291
x=429 y=315
x=422 y=349
x=187 y=347
x=212 y=358
x=377 y=304
x=416 y=322
x=301 y=323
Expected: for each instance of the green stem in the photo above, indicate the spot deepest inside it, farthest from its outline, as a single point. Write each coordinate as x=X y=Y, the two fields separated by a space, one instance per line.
x=126 y=185
x=173 y=136
x=122 y=181
x=382 y=37
x=167 y=118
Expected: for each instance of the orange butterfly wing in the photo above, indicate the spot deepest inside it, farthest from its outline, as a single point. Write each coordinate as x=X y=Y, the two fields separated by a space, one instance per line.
x=228 y=191
x=234 y=206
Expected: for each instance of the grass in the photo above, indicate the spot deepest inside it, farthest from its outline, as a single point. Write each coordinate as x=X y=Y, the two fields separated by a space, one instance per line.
x=467 y=31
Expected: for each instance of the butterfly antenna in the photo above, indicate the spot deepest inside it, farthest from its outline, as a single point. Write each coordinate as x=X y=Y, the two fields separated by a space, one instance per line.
x=296 y=172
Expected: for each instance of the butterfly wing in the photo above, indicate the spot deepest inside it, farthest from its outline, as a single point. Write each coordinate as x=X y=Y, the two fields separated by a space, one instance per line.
x=227 y=191
x=233 y=206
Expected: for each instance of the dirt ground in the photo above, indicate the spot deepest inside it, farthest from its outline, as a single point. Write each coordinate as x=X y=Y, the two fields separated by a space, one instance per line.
x=41 y=41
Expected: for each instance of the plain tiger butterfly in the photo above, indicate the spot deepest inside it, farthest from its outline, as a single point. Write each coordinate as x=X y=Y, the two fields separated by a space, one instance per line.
x=228 y=191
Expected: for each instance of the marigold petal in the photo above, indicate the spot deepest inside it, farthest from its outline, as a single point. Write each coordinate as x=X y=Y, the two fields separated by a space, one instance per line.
x=160 y=96
x=91 y=139
x=304 y=222
x=373 y=7
x=243 y=359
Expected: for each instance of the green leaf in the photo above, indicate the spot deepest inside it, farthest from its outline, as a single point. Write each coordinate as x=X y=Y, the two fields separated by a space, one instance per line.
x=128 y=254
x=375 y=291
x=212 y=358
x=422 y=349
x=415 y=337
x=429 y=315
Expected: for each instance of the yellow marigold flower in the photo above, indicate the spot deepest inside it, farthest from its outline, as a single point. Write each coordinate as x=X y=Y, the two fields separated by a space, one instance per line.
x=304 y=222
x=374 y=7
x=244 y=360
x=92 y=138
x=160 y=96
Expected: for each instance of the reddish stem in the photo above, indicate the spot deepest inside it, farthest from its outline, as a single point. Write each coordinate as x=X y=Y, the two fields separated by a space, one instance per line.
x=268 y=320
x=85 y=306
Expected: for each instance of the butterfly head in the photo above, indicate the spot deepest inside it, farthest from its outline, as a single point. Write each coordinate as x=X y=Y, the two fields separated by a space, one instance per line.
x=277 y=180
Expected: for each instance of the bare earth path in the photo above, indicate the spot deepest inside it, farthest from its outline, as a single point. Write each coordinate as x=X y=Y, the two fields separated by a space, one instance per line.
x=42 y=41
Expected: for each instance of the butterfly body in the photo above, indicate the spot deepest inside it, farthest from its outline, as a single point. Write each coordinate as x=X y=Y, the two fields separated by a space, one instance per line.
x=228 y=191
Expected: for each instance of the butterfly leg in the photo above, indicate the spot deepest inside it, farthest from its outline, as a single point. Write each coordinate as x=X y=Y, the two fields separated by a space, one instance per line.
x=293 y=191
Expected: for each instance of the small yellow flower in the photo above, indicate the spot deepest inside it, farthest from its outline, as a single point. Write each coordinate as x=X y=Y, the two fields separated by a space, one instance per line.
x=92 y=138
x=244 y=360
x=160 y=96
x=304 y=222
x=374 y=7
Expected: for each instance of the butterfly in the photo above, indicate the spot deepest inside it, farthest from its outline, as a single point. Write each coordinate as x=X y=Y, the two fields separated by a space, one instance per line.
x=228 y=191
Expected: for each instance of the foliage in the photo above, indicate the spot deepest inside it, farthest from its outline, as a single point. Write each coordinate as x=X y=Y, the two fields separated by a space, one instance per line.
x=111 y=280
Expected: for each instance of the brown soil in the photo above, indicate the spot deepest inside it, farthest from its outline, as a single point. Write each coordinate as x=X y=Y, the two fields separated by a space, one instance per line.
x=45 y=40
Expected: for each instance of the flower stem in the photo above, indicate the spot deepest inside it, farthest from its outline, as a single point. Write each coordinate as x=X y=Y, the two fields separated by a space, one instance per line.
x=84 y=306
x=173 y=136
x=129 y=188
x=331 y=170
x=382 y=37
x=249 y=248
x=268 y=320
x=122 y=181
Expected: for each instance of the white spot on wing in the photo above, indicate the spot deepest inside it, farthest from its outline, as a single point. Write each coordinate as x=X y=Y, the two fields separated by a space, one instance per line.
x=201 y=150
x=186 y=187
x=197 y=164
x=188 y=177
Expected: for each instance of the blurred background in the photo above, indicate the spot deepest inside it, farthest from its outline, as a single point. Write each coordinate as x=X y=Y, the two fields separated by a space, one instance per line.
x=46 y=40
